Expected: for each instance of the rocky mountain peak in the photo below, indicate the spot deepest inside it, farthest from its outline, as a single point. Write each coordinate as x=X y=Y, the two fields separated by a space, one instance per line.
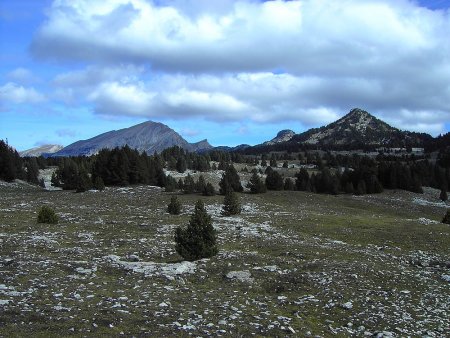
x=282 y=136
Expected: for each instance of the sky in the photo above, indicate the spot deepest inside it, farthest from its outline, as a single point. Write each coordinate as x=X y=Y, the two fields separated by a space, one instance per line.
x=231 y=72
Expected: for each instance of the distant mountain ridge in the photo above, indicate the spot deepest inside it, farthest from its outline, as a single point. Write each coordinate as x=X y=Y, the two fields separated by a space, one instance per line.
x=147 y=136
x=43 y=150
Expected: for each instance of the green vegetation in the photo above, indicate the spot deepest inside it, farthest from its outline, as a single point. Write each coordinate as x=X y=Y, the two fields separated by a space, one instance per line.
x=446 y=218
x=198 y=239
x=47 y=215
x=174 y=207
x=231 y=204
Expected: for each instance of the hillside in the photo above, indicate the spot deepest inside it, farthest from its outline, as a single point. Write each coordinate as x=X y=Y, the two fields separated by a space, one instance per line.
x=42 y=150
x=147 y=136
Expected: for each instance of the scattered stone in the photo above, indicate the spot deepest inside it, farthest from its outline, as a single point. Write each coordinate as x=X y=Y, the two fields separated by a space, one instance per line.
x=241 y=276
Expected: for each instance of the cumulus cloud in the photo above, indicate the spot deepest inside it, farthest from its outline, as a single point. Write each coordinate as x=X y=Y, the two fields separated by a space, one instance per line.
x=14 y=93
x=307 y=61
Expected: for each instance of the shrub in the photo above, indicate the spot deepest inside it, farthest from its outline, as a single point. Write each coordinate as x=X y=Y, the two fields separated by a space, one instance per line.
x=198 y=239
x=174 y=207
x=47 y=215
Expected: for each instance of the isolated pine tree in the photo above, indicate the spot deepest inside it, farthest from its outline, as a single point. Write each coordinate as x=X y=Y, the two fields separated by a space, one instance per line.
x=198 y=239
x=446 y=219
x=174 y=207
x=231 y=204
x=256 y=184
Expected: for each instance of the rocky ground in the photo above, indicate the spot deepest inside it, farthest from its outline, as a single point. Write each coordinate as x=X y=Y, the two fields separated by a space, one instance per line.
x=292 y=264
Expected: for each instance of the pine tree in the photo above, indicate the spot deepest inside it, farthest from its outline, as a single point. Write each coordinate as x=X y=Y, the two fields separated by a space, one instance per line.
x=201 y=184
x=289 y=184
x=171 y=184
x=230 y=179
x=189 y=185
x=273 y=161
x=446 y=218
x=443 y=195
x=209 y=190
x=83 y=181
x=231 y=204
x=181 y=165
x=302 y=179
x=274 y=181
x=256 y=184
x=198 y=239
x=361 y=188
x=99 y=184
x=174 y=207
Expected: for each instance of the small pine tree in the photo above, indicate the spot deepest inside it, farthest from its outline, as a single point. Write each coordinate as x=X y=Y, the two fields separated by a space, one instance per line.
x=47 y=215
x=274 y=181
x=446 y=219
x=198 y=239
x=231 y=204
x=200 y=185
x=209 y=190
x=189 y=185
x=174 y=207
x=230 y=179
x=289 y=184
x=285 y=164
x=171 y=184
x=83 y=182
x=256 y=184
x=443 y=195
x=99 y=184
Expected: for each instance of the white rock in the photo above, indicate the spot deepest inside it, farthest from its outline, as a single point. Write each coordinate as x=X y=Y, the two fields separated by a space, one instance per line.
x=242 y=276
x=348 y=305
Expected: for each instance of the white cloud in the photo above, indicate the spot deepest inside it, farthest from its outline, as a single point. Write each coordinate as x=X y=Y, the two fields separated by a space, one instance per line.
x=14 y=93
x=217 y=59
x=22 y=75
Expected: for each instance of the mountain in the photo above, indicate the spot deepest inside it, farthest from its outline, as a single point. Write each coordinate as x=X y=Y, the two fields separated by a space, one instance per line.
x=43 y=150
x=282 y=136
x=359 y=128
x=147 y=136
x=356 y=130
